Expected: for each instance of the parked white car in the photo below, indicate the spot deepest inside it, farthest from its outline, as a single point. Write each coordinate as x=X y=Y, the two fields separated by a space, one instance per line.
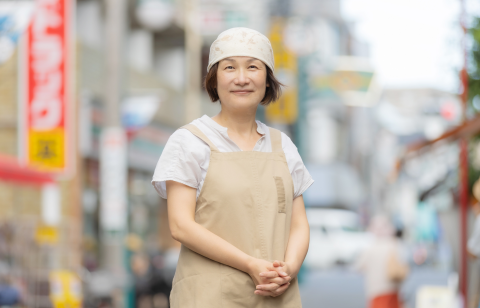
x=335 y=237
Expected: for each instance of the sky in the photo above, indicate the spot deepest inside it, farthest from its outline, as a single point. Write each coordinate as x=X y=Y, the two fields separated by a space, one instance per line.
x=413 y=43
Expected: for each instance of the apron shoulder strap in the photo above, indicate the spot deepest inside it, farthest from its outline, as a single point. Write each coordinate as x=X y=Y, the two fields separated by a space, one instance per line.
x=197 y=132
x=276 y=139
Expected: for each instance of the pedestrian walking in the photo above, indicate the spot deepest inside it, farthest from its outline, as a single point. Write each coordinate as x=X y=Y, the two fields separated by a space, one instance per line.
x=473 y=245
x=234 y=189
x=382 y=265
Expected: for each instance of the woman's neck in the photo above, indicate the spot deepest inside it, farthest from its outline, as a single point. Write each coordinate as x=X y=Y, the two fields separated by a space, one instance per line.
x=242 y=128
x=241 y=124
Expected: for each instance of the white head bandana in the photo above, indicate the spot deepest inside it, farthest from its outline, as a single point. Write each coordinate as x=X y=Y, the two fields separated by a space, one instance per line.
x=236 y=42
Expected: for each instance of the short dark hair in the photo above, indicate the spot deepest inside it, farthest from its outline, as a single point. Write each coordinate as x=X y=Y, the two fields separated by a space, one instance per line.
x=272 y=93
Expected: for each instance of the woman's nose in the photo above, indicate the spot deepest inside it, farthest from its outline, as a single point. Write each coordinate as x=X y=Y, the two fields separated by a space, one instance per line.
x=242 y=78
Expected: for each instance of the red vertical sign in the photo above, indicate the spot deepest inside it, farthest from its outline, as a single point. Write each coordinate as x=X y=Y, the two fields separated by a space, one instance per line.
x=47 y=127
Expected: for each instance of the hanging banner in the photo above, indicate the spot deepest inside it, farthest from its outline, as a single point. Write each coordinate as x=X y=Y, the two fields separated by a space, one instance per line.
x=46 y=130
x=113 y=176
x=285 y=110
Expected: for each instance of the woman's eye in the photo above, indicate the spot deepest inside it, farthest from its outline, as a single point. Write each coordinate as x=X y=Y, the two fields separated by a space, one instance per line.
x=229 y=67
x=252 y=66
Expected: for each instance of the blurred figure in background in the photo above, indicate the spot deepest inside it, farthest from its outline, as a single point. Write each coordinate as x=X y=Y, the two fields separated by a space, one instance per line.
x=152 y=288
x=474 y=241
x=382 y=265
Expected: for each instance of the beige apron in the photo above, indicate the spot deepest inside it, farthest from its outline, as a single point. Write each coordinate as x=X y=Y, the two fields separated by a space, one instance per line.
x=246 y=199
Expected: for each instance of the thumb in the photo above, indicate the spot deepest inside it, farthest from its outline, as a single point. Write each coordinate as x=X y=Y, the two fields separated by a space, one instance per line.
x=277 y=263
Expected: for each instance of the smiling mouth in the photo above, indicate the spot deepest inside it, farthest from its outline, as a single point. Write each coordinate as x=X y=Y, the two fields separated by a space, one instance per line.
x=242 y=92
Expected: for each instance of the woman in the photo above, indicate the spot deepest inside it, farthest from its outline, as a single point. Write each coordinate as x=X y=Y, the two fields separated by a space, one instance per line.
x=234 y=189
x=473 y=246
x=382 y=266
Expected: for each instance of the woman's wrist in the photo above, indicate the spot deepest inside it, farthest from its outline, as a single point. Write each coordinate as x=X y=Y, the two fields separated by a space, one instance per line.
x=293 y=268
x=248 y=264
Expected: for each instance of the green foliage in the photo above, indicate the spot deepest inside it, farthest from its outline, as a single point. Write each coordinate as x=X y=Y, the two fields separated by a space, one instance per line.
x=473 y=171
x=474 y=65
x=474 y=90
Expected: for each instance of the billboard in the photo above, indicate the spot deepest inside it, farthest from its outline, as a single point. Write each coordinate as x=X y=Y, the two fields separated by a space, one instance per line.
x=46 y=124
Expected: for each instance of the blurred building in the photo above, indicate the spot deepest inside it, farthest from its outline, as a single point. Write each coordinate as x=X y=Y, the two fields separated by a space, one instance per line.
x=152 y=107
x=423 y=192
x=332 y=136
x=25 y=259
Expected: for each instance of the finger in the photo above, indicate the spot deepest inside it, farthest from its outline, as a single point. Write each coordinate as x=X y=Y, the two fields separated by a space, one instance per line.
x=281 y=289
x=276 y=293
x=264 y=293
x=268 y=287
x=279 y=267
x=281 y=271
x=269 y=274
x=280 y=280
x=278 y=263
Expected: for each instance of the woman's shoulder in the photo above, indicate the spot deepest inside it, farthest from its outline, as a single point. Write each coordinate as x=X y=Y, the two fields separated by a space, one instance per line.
x=184 y=140
x=287 y=142
x=182 y=136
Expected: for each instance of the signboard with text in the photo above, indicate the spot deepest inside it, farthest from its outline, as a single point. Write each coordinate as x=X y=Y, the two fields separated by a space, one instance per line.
x=285 y=110
x=46 y=132
x=350 y=79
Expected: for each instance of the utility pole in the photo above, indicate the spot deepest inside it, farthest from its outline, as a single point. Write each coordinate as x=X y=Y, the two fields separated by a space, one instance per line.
x=113 y=154
x=193 y=54
x=463 y=159
x=115 y=26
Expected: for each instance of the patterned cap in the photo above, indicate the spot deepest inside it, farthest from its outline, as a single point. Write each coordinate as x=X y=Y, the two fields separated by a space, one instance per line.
x=245 y=42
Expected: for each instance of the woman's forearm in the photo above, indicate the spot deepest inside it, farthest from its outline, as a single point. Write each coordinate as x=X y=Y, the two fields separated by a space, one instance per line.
x=210 y=245
x=299 y=237
x=181 y=217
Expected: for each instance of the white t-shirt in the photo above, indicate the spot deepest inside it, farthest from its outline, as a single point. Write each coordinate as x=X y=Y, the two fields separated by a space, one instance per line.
x=474 y=240
x=185 y=158
x=373 y=262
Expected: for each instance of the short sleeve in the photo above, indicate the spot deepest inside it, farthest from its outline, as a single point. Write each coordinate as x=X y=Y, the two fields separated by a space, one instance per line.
x=474 y=240
x=300 y=175
x=181 y=161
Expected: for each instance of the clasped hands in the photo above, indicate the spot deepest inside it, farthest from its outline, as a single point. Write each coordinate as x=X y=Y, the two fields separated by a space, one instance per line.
x=271 y=279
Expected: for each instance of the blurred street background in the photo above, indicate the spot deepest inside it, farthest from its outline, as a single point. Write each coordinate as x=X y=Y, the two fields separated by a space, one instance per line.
x=382 y=102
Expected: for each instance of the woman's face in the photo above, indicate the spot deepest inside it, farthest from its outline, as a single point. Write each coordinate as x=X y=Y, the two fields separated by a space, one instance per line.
x=241 y=82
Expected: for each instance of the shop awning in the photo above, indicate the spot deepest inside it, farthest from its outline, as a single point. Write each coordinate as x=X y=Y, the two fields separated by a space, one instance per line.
x=12 y=171
x=467 y=129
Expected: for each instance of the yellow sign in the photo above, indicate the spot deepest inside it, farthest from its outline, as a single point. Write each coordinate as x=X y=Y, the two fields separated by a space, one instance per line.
x=65 y=289
x=285 y=110
x=46 y=235
x=47 y=148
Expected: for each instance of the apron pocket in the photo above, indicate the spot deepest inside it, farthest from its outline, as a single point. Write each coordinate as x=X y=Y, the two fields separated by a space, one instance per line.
x=237 y=285
x=280 y=193
x=197 y=291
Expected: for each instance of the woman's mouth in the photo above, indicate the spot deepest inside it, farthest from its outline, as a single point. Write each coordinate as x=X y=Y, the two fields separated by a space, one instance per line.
x=242 y=92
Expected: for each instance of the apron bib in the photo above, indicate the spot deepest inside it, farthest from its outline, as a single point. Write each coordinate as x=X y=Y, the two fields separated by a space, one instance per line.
x=246 y=199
